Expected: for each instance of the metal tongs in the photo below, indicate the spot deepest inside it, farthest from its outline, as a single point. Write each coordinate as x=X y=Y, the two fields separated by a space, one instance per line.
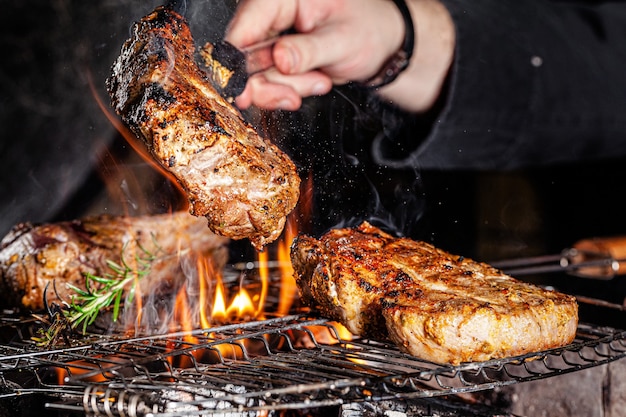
x=595 y=258
x=239 y=63
x=243 y=63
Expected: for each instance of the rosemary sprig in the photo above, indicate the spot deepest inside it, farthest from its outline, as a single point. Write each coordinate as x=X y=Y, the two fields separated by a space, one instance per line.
x=55 y=325
x=103 y=291
x=100 y=293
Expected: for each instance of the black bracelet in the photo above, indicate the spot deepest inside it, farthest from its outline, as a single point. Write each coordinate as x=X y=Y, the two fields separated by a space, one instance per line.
x=401 y=59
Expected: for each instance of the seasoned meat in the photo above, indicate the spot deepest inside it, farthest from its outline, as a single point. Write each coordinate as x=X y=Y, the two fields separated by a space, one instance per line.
x=242 y=183
x=32 y=257
x=434 y=305
x=334 y=277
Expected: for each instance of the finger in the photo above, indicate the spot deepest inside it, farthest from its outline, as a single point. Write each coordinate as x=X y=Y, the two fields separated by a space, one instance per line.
x=272 y=90
x=246 y=28
x=342 y=44
x=299 y=53
x=312 y=83
x=244 y=100
x=271 y=96
x=327 y=49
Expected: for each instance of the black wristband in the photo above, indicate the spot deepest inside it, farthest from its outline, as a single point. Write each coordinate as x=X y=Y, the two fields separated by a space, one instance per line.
x=401 y=59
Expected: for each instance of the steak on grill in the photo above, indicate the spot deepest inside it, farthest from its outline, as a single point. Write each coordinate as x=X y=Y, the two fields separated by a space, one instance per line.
x=32 y=257
x=242 y=183
x=434 y=305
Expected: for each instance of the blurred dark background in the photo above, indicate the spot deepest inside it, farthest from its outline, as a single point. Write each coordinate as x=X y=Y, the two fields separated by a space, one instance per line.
x=58 y=146
x=62 y=158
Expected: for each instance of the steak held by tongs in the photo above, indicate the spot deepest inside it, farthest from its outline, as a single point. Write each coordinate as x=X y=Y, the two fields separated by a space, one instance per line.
x=242 y=183
x=432 y=304
x=33 y=257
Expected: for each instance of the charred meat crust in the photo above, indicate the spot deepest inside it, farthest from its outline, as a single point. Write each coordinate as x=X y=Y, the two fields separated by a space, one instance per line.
x=242 y=183
x=321 y=266
x=56 y=254
x=432 y=304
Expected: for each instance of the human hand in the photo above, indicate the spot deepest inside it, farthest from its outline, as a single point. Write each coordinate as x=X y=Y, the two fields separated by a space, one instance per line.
x=336 y=41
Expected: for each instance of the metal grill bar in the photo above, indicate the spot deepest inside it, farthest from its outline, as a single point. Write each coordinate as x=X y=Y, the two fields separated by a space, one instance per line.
x=293 y=362
x=261 y=368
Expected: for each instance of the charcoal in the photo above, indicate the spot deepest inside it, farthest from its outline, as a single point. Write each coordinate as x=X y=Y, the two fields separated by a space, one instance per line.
x=430 y=407
x=187 y=399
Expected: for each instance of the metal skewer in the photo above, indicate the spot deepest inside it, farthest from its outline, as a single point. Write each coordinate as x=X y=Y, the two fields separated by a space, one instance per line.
x=585 y=264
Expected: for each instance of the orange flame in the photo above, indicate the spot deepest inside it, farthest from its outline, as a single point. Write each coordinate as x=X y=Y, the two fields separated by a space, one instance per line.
x=205 y=272
x=182 y=313
x=219 y=304
x=241 y=306
x=213 y=302
x=287 y=280
x=264 y=276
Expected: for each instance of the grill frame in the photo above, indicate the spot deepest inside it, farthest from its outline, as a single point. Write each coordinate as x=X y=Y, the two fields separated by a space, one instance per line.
x=282 y=364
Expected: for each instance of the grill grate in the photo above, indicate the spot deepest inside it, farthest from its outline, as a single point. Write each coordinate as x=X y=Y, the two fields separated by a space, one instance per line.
x=293 y=362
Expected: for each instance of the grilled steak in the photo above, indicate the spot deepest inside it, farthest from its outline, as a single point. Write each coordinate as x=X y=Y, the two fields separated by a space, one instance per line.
x=434 y=305
x=32 y=257
x=242 y=183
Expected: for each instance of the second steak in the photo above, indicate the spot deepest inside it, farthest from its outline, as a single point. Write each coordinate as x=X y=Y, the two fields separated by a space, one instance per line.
x=434 y=305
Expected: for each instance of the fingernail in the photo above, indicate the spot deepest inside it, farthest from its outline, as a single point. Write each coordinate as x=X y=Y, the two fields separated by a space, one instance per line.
x=319 y=89
x=293 y=59
x=286 y=59
x=284 y=104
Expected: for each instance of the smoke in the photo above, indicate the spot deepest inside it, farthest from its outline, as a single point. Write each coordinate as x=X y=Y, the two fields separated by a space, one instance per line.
x=174 y=302
x=334 y=139
x=208 y=19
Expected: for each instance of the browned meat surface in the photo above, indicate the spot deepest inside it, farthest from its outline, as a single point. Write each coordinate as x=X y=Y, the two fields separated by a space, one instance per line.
x=432 y=304
x=33 y=256
x=242 y=183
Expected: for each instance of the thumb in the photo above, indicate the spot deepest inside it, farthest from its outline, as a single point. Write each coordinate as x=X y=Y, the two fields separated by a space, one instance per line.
x=288 y=57
x=304 y=52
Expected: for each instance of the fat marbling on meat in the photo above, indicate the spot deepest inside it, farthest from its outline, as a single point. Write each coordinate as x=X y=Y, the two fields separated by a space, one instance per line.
x=242 y=183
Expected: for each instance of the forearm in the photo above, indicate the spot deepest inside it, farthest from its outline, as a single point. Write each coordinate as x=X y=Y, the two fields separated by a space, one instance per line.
x=419 y=86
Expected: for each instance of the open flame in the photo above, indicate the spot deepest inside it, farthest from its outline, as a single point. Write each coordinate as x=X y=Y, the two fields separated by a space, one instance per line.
x=212 y=301
x=220 y=304
x=208 y=299
x=288 y=289
x=246 y=301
